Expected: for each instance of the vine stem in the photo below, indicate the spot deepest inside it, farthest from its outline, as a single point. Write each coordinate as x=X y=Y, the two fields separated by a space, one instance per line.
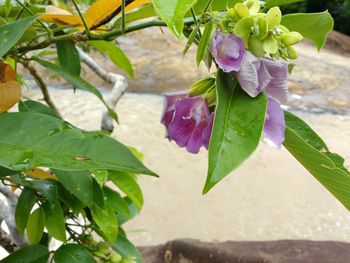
x=87 y=29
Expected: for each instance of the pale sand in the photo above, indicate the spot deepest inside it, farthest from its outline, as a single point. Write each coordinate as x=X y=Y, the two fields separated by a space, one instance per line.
x=270 y=197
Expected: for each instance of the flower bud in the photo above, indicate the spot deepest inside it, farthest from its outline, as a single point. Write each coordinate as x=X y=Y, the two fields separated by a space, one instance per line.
x=242 y=10
x=292 y=53
x=274 y=17
x=202 y=86
x=116 y=258
x=210 y=96
x=253 y=6
x=291 y=38
x=232 y=14
x=263 y=28
x=256 y=46
x=270 y=45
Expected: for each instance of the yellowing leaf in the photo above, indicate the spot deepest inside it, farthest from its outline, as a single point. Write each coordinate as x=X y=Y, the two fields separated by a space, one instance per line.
x=10 y=90
x=40 y=174
x=98 y=14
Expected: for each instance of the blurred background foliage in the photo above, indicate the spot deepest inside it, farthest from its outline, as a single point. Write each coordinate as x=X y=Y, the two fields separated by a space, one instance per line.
x=340 y=10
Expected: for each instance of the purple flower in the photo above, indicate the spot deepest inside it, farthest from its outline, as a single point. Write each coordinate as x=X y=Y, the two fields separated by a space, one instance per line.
x=188 y=121
x=228 y=51
x=264 y=75
x=275 y=125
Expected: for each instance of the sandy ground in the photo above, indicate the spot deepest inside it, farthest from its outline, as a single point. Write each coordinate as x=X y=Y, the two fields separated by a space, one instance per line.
x=270 y=197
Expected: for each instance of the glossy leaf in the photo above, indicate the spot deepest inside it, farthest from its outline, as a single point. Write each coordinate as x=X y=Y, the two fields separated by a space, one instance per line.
x=28 y=254
x=68 y=56
x=272 y=3
x=106 y=221
x=77 y=82
x=310 y=150
x=314 y=27
x=115 y=201
x=238 y=124
x=38 y=140
x=24 y=206
x=78 y=183
x=35 y=226
x=116 y=55
x=172 y=13
x=73 y=253
x=98 y=196
x=7 y=7
x=54 y=221
x=125 y=248
x=34 y=106
x=12 y=32
x=128 y=185
x=6 y=172
x=203 y=47
x=40 y=174
x=48 y=188
x=70 y=200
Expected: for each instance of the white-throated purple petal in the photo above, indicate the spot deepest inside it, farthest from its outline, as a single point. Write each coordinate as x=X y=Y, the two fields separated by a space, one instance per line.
x=275 y=125
x=207 y=131
x=228 y=51
x=253 y=76
x=278 y=86
x=169 y=106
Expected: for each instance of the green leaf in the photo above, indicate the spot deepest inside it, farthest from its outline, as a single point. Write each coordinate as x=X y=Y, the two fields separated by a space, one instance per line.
x=24 y=206
x=11 y=33
x=314 y=27
x=35 y=226
x=73 y=253
x=191 y=39
x=309 y=149
x=116 y=202
x=172 y=12
x=68 y=56
x=28 y=254
x=203 y=47
x=272 y=3
x=29 y=140
x=141 y=13
x=70 y=200
x=47 y=187
x=34 y=106
x=8 y=7
x=238 y=124
x=116 y=55
x=106 y=221
x=6 y=172
x=54 y=221
x=78 y=183
x=98 y=197
x=126 y=183
x=77 y=82
x=125 y=248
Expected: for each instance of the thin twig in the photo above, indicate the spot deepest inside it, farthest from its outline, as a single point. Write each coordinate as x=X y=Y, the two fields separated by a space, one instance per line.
x=40 y=82
x=87 y=29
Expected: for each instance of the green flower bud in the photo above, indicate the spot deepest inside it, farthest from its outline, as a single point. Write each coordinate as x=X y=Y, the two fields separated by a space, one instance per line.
x=270 y=45
x=292 y=53
x=242 y=10
x=232 y=14
x=210 y=96
x=202 y=86
x=281 y=29
x=256 y=46
x=263 y=28
x=274 y=17
x=100 y=255
x=253 y=6
x=116 y=258
x=291 y=38
x=243 y=29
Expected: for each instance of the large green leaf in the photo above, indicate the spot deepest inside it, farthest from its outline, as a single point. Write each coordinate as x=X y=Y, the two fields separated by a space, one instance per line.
x=203 y=46
x=6 y=172
x=117 y=55
x=128 y=185
x=238 y=124
x=54 y=221
x=35 y=226
x=11 y=33
x=78 y=183
x=315 y=26
x=73 y=253
x=106 y=221
x=28 y=254
x=272 y=3
x=34 y=106
x=29 y=140
x=116 y=202
x=77 y=82
x=172 y=12
x=24 y=206
x=68 y=56
x=125 y=248
x=309 y=149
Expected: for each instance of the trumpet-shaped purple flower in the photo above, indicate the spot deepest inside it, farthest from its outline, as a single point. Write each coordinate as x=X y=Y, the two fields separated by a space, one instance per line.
x=275 y=125
x=264 y=75
x=188 y=121
x=228 y=51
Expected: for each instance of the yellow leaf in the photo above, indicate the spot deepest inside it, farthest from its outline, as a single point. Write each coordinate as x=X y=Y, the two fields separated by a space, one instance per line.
x=57 y=15
x=40 y=174
x=10 y=90
x=136 y=3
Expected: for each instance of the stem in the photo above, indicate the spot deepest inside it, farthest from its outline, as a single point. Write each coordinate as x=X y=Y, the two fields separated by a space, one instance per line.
x=41 y=84
x=196 y=21
x=82 y=18
x=123 y=16
x=207 y=6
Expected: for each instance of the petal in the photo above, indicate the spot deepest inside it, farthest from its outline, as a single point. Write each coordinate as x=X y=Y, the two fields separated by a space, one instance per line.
x=169 y=106
x=278 y=87
x=275 y=125
x=248 y=75
x=195 y=141
x=207 y=131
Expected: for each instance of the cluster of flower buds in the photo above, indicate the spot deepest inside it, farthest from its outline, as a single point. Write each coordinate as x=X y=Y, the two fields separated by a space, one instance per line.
x=262 y=33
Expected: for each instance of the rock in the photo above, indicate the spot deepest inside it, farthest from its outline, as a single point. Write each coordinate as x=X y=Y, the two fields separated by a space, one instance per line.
x=285 y=251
